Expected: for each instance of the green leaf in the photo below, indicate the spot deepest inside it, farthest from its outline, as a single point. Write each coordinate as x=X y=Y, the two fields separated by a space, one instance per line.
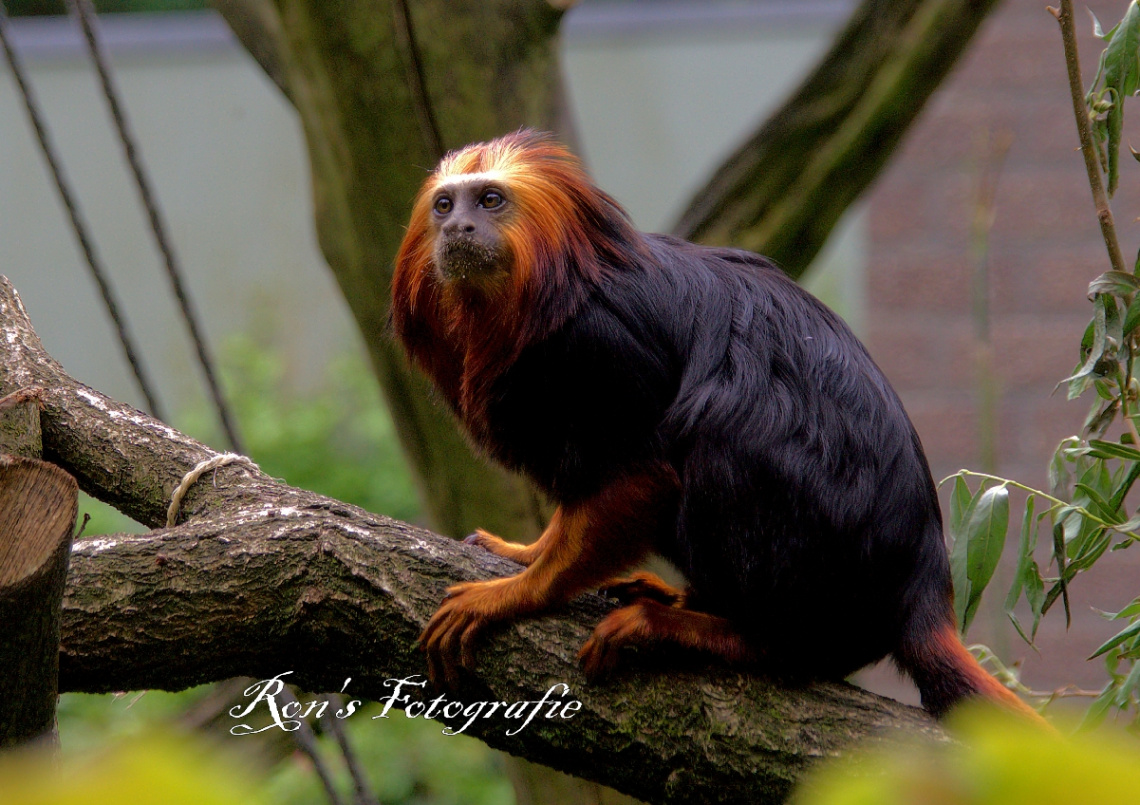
x=1132 y=316
x=1100 y=707
x=1059 y=476
x=988 y=524
x=1097 y=32
x=1061 y=588
x=1119 y=283
x=1094 y=351
x=1127 y=687
x=1117 y=499
x=1088 y=336
x=1120 y=62
x=1025 y=567
x=1113 y=326
x=1124 y=634
x=1025 y=549
x=1119 y=75
x=1091 y=551
x=1101 y=448
x=1099 y=506
x=1129 y=611
x=962 y=504
x=1104 y=391
x=1115 y=129
x=1035 y=595
x=1098 y=420
x=960 y=500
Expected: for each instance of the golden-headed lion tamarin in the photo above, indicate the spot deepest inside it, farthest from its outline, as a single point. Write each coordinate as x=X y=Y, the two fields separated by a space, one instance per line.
x=677 y=399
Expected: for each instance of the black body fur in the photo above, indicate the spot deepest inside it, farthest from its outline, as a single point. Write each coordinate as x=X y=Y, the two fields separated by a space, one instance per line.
x=807 y=515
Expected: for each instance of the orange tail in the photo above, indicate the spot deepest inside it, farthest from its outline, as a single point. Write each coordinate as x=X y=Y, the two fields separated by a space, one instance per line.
x=947 y=673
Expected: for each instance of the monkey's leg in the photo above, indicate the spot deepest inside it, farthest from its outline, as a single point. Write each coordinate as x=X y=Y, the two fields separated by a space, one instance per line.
x=648 y=622
x=585 y=544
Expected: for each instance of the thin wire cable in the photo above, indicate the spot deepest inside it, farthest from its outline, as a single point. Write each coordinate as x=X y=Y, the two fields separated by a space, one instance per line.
x=361 y=788
x=85 y=13
x=77 y=223
x=306 y=740
x=417 y=85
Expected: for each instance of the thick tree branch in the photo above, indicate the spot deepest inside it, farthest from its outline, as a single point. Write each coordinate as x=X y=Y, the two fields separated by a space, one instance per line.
x=781 y=193
x=257 y=26
x=262 y=578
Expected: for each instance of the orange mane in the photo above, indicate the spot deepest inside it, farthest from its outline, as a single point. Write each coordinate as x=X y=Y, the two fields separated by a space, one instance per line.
x=562 y=235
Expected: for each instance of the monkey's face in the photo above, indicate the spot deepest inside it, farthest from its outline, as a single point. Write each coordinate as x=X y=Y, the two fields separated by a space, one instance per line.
x=468 y=213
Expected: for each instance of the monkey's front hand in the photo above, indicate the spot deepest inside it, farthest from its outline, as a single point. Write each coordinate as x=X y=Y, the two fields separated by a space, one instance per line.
x=523 y=554
x=449 y=639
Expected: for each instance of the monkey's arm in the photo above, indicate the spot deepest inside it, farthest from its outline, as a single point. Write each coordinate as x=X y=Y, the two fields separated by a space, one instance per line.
x=586 y=543
x=628 y=589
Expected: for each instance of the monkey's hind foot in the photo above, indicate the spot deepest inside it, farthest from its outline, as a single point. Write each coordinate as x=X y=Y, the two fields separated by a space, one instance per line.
x=648 y=622
x=644 y=584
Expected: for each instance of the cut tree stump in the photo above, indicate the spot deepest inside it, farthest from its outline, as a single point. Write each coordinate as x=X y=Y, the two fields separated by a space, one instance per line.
x=38 y=505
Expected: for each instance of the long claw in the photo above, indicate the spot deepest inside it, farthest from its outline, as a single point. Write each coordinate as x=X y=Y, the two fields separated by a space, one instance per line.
x=467 y=645
x=449 y=639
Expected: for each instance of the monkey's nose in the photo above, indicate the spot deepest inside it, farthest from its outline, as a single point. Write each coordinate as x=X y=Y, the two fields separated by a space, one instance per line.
x=459 y=226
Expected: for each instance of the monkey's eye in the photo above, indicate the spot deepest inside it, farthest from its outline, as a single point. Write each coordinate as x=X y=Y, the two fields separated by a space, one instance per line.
x=442 y=205
x=491 y=199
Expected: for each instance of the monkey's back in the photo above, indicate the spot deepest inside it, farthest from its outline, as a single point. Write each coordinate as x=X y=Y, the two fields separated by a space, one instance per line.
x=806 y=511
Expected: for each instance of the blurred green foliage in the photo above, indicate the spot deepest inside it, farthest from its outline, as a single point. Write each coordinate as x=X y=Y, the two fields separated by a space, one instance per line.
x=155 y=768
x=1001 y=760
x=408 y=762
x=27 y=8
x=90 y=722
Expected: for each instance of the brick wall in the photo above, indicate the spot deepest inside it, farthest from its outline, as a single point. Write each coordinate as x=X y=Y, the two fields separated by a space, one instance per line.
x=1044 y=248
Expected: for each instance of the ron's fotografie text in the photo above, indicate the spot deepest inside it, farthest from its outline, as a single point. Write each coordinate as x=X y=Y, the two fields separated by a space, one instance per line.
x=287 y=714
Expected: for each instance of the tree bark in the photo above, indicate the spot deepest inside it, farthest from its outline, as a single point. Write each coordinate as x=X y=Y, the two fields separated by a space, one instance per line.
x=38 y=505
x=783 y=191
x=261 y=578
x=20 y=424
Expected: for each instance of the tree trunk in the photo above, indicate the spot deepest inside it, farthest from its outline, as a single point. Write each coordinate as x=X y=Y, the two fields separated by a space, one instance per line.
x=381 y=90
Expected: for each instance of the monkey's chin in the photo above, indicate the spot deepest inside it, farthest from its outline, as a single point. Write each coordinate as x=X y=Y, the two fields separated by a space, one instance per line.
x=469 y=263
